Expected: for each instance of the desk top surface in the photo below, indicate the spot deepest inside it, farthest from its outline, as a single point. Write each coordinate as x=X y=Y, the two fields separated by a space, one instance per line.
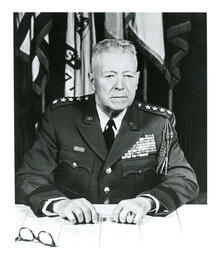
x=179 y=229
x=103 y=233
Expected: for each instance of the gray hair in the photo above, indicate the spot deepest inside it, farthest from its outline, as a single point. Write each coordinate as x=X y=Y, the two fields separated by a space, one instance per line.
x=113 y=45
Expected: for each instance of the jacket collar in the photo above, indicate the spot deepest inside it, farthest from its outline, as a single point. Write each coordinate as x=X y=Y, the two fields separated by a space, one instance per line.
x=91 y=131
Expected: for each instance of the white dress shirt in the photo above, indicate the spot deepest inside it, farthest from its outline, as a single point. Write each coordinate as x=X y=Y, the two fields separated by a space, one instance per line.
x=104 y=118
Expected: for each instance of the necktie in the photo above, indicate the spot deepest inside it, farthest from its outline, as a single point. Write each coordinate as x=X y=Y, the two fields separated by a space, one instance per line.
x=108 y=134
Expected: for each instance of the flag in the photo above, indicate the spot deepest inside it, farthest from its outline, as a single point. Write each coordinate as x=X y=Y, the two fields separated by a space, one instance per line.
x=177 y=46
x=146 y=31
x=32 y=44
x=113 y=25
x=80 y=39
x=164 y=46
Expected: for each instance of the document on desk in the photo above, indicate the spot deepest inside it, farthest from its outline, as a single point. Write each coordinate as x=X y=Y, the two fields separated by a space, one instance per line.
x=162 y=230
x=21 y=214
x=196 y=226
x=102 y=234
x=105 y=211
x=120 y=235
x=75 y=235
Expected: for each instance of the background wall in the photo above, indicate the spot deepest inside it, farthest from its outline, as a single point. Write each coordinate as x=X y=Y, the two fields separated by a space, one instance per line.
x=189 y=96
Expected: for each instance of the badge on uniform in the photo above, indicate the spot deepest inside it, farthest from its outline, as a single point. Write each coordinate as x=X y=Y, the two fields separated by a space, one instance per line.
x=143 y=147
x=79 y=149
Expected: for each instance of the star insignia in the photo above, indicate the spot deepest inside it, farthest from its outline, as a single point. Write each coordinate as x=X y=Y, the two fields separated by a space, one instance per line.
x=55 y=101
x=63 y=99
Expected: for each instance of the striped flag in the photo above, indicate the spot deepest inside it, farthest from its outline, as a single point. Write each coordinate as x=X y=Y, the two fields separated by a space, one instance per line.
x=146 y=31
x=80 y=39
x=32 y=44
x=177 y=46
x=152 y=38
x=114 y=25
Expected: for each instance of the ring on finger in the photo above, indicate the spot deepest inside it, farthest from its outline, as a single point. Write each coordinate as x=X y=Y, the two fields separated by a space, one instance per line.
x=130 y=216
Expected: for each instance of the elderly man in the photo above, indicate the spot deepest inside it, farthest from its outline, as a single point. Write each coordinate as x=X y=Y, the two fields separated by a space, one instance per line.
x=106 y=148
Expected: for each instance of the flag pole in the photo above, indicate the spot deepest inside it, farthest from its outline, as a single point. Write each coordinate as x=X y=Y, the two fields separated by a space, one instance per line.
x=145 y=80
x=43 y=102
x=170 y=99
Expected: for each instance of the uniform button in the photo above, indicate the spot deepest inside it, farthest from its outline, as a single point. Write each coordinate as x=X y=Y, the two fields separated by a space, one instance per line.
x=74 y=165
x=106 y=201
x=106 y=189
x=108 y=170
x=140 y=171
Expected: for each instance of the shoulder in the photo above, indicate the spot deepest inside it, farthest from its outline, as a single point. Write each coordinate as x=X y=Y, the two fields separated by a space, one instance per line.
x=155 y=110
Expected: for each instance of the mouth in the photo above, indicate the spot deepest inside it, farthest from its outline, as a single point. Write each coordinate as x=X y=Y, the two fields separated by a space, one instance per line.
x=118 y=97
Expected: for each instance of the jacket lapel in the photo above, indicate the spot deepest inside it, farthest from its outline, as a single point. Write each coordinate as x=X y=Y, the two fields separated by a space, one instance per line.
x=128 y=134
x=91 y=131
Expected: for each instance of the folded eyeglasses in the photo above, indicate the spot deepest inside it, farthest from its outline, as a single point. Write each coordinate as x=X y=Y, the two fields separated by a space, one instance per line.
x=43 y=237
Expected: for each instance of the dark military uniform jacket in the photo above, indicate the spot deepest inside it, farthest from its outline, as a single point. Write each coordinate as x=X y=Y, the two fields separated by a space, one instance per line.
x=70 y=158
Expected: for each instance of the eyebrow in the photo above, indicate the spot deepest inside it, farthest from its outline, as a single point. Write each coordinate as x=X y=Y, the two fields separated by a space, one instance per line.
x=109 y=71
x=112 y=71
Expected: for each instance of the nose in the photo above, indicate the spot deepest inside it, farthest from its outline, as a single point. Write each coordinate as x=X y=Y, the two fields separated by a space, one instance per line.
x=119 y=83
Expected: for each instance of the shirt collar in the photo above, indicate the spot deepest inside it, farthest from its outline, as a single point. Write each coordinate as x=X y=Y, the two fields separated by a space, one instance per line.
x=105 y=118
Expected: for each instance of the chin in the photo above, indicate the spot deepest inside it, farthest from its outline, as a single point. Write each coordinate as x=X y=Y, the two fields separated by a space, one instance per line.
x=119 y=107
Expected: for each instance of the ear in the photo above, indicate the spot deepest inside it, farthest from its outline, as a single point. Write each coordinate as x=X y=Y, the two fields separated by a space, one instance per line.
x=137 y=78
x=91 y=79
x=138 y=75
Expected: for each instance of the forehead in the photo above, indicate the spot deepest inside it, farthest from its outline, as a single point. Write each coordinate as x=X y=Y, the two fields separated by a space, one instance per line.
x=115 y=61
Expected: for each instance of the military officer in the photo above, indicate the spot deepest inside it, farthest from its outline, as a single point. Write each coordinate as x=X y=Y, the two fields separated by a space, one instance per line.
x=106 y=148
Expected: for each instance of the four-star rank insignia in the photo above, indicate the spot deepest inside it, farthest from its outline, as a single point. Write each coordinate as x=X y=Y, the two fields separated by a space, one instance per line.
x=155 y=109
x=70 y=99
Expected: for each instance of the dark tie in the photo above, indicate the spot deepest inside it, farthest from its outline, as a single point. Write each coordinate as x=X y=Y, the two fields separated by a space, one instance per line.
x=108 y=134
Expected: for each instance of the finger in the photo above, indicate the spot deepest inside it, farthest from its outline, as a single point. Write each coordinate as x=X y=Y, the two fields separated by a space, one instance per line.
x=123 y=215
x=138 y=217
x=79 y=214
x=94 y=214
x=70 y=216
x=86 y=211
x=116 y=212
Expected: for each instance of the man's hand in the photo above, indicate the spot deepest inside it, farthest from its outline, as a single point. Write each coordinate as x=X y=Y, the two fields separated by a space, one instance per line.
x=76 y=210
x=132 y=210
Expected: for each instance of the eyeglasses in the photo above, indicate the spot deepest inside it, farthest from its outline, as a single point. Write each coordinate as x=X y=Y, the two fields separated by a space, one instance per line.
x=26 y=234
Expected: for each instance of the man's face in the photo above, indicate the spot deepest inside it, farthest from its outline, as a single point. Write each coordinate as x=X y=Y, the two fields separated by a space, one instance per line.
x=115 y=80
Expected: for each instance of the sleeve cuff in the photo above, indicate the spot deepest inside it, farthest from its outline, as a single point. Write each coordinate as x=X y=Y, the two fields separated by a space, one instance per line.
x=49 y=201
x=157 y=203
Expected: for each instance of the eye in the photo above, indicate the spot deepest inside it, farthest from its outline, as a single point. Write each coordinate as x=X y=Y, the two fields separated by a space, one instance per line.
x=128 y=76
x=109 y=76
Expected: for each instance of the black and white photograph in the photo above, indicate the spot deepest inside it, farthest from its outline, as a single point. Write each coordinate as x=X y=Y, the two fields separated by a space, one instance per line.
x=110 y=131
